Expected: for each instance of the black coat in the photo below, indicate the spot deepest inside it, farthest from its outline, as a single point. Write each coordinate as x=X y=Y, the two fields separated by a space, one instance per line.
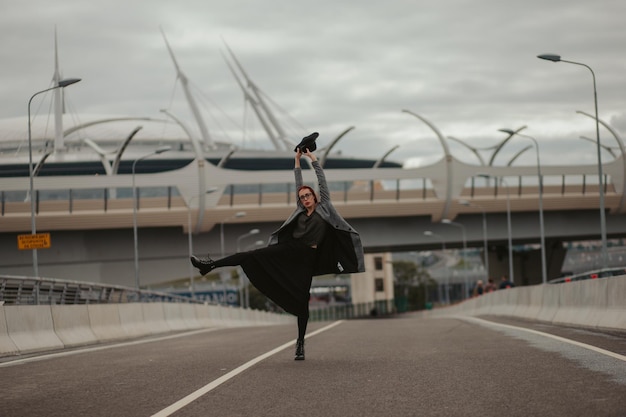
x=341 y=250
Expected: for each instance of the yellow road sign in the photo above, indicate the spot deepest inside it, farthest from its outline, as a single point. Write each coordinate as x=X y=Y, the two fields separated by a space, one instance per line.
x=38 y=241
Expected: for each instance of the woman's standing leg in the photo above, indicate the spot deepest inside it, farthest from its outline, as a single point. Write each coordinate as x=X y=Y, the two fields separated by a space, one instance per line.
x=303 y=320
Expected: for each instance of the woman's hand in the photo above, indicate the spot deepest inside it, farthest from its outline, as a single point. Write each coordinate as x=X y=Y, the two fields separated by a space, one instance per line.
x=298 y=156
x=311 y=155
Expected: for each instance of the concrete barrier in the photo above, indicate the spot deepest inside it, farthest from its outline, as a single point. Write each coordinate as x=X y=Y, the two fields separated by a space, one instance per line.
x=174 y=316
x=550 y=302
x=204 y=314
x=132 y=320
x=27 y=328
x=105 y=322
x=154 y=318
x=535 y=302
x=7 y=347
x=71 y=325
x=614 y=316
x=188 y=313
x=599 y=303
x=31 y=328
x=581 y=303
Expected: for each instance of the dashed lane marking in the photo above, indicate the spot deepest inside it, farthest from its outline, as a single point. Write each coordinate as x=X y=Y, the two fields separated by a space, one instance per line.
x=219 y=381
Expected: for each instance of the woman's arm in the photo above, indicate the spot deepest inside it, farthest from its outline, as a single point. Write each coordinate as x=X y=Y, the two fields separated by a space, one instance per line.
x=297 y=171
x=321 y=178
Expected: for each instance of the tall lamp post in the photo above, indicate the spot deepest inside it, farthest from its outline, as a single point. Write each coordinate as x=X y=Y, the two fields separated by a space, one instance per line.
x=237 y=215
x=542 y=234
x=190 y=240
x=450 y=222
x=443 y=248
x=557 y=58
x=508 y=222
x=33 y=228
x=135 y=240
x=241 y=285
x=245 y=285
x=486 y=246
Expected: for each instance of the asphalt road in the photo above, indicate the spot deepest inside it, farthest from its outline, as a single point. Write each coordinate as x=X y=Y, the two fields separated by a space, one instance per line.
x=404 y=366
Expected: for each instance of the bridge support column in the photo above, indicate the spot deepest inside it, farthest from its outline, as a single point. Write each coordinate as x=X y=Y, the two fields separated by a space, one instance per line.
x=527 y=264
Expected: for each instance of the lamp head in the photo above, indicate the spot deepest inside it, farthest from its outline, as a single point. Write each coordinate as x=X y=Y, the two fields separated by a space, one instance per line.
x=162 y=149
x=68 y=81
x=550 y=57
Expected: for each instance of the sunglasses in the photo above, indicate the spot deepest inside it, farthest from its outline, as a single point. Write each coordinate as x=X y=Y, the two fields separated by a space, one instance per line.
x=305 y=196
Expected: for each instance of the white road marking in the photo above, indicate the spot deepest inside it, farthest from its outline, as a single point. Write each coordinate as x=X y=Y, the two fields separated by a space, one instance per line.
x=217 y=382
x=551 y=336
x=97 y=348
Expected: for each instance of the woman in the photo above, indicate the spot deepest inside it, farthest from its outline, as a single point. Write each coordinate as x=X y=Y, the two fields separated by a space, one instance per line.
x=314 y=240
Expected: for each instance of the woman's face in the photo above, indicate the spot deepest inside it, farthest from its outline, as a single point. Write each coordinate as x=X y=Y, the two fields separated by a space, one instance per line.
x=307 y=198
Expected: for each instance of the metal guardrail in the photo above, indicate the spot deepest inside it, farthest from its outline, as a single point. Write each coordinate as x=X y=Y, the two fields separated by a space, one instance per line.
x=352 y=311
x=17 y=290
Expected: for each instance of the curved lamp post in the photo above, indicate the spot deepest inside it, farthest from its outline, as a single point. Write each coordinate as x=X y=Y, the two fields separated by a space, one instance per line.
x=443 y=249
x=332 y=145
x=241 y=273
x=501 y=144
x=33 y=227
x=237 y=215
x=622 y=149
x=557 y=58
x=508 y=221
x=471 y=148
x=450 y=222
x=448 y=159
x=378 y=163
x=135 y=239
x=468 y=204
x=542 y=234
x=605 y=147
x=190 y=240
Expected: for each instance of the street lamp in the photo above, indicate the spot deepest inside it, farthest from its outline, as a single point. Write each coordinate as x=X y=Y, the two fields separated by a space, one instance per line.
x=557 y=58
x=250 y=233
x=443 y=249
x=244 y=277
x=33 y=227
x=237 y=215
x=190 y=240
x=155 y=152
x=468 y=204
x=450 y=222
x=508 y=222
x=241 y=273
x=542 y=234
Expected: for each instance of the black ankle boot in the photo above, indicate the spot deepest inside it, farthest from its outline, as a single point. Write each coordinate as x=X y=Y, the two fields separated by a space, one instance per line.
x=205 y=265
x=299 y=350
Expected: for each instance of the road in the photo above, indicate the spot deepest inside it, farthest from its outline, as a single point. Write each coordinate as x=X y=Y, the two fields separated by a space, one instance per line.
x=403 y=366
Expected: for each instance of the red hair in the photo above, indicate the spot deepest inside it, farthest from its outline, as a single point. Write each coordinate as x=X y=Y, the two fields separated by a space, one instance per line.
x=306 y=187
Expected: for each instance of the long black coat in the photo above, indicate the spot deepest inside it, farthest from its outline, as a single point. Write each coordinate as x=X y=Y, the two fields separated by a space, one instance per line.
x=341 y=251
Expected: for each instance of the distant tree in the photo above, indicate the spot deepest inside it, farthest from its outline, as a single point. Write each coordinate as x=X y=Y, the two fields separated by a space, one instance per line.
x=411 y=284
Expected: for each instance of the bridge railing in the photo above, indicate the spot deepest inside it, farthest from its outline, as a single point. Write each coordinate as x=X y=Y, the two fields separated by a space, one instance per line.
x=168 y=197
x=18 y=290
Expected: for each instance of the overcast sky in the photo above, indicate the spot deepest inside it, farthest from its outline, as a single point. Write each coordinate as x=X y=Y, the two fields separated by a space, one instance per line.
x=468 y=66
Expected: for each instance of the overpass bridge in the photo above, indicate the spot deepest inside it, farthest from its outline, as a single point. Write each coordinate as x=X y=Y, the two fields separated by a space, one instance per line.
x=91 y=218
